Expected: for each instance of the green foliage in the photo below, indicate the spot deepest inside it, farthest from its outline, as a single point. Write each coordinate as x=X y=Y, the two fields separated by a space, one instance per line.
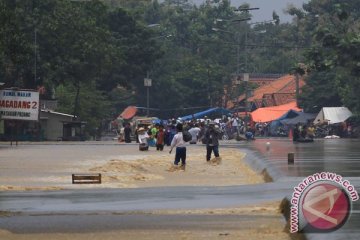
x=94 y=105
x=320 y=91
x=81 y=46
x=93 y=55
x=334 y=57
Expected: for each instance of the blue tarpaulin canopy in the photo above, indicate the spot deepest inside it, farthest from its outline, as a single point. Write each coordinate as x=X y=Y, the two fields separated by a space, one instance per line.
x=274 y=125
x=301 y=118
x=209 y=112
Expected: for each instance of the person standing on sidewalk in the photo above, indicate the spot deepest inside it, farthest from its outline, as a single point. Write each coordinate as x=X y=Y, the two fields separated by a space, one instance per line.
x=180 y=145
x=212 y=136
x=127 y=133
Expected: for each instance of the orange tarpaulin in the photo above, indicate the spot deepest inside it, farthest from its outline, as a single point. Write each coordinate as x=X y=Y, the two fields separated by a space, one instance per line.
x=129 y=112
x=268 y=114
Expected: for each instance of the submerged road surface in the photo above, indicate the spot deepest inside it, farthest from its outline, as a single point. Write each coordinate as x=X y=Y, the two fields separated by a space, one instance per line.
x=114 y=208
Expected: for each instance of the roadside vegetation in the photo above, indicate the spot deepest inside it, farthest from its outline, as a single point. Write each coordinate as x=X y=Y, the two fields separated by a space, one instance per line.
x=93 y=56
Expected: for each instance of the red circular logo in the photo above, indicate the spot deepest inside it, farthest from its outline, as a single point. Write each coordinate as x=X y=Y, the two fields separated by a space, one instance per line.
x=326 y=206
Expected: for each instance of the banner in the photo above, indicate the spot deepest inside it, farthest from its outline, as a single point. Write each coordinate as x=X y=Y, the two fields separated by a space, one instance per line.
x=19 y=105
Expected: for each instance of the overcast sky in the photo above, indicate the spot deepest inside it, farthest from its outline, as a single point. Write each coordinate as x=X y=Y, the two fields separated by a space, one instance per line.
x=266 y=8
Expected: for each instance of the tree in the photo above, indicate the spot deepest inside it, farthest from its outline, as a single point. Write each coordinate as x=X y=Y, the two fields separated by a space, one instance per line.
x=17 y=43
x=78 y=44
x=100 y=51
x=333 y=59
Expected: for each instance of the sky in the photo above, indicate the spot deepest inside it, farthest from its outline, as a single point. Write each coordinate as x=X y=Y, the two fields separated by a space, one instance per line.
x=266 y=8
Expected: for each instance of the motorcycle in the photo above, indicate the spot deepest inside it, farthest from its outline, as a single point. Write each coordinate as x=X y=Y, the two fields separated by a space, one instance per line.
x=321 y=132
x=281 y=133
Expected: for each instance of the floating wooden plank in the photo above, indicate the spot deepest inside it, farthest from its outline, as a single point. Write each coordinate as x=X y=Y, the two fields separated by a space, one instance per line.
x=86 y=178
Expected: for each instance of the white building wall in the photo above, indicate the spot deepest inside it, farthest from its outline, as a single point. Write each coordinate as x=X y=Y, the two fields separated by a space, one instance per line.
x=52 y=125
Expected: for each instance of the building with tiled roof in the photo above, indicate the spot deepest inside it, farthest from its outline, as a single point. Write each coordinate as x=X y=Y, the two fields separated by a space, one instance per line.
x=275 y=93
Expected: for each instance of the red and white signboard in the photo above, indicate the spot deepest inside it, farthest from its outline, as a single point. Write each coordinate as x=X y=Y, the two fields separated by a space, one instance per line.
x=19 y=104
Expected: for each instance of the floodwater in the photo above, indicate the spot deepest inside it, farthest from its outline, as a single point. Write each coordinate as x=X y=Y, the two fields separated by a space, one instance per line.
x=341 y=156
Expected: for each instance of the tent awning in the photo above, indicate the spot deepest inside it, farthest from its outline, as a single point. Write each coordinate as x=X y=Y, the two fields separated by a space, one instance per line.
x=129 y=112
x=301 y=118
x=268 y=114
x=333 y=115
x=210 y=111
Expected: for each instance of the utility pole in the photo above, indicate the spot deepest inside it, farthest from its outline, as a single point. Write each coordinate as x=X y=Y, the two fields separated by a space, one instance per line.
x=147 y=84
x=35 y=54
x=246 y=74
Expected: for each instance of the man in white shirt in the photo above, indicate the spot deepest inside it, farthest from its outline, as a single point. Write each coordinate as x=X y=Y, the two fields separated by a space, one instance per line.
x=194 y=131
x=180 y=145
x=235 y=124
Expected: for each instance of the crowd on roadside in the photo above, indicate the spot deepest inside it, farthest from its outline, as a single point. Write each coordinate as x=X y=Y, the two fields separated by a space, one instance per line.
x=231 y=127
x=177 y=134
x=208 y=132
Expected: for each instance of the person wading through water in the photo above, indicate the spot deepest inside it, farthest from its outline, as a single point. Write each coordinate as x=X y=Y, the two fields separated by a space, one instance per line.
x=180 y=145
x=212 y=136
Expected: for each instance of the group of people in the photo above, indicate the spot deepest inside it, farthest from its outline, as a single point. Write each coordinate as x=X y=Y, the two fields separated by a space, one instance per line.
x=153 y=136
x=230 y=127
x=210 y=138
x=158 y=136
x=303 y=132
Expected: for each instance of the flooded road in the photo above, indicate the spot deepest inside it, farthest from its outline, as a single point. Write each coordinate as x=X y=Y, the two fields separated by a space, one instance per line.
x=341 y=156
